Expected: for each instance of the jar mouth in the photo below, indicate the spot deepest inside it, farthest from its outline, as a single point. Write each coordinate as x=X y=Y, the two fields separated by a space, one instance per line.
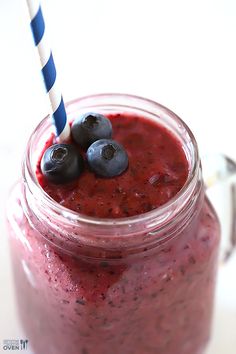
x=112 y=100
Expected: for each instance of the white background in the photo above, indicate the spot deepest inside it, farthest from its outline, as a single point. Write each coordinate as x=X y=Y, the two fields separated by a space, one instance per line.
x=180 y=53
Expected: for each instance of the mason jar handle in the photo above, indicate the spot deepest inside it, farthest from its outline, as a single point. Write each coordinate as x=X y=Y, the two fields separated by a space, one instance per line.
x=220 y=171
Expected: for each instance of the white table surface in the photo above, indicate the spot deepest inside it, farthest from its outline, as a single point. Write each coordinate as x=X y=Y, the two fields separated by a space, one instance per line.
x=178 y=52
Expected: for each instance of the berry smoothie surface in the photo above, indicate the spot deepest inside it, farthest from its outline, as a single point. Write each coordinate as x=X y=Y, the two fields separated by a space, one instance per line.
x=156 y=301
x=157 y=171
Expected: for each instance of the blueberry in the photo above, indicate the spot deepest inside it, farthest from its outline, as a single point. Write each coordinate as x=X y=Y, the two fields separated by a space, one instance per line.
x=61 y=163
x=107 y=158
x=89 y=128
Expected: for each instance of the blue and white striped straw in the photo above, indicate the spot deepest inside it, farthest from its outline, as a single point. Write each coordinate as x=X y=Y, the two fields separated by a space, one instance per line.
x=48 y=70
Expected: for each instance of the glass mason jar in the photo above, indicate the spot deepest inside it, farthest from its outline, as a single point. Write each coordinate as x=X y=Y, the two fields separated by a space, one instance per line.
x=137 y=285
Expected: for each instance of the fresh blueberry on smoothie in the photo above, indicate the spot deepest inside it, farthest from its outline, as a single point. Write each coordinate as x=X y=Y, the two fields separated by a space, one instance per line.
x=90 y=127
x=61 y=163
x=107 y=158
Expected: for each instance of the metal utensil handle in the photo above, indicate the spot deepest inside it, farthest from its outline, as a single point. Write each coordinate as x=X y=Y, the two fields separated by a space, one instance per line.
x=220 y=170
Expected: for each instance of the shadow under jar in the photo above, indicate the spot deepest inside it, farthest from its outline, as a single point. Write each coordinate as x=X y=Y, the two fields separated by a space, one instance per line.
x=137 y=285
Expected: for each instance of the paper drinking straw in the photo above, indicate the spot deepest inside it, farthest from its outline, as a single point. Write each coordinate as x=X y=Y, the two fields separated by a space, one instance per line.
x=48 y=70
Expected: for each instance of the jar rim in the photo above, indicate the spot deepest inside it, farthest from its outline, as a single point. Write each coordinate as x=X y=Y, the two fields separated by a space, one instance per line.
x=30 y=177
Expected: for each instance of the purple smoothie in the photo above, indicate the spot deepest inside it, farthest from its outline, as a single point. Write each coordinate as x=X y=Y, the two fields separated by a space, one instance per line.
x=145 y=286
x=158 y=169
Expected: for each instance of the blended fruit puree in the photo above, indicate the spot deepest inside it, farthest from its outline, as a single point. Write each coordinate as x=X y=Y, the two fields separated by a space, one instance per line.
x=157 y=170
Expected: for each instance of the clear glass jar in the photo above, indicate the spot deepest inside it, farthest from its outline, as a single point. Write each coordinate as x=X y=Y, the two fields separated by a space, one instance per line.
x=136 y=285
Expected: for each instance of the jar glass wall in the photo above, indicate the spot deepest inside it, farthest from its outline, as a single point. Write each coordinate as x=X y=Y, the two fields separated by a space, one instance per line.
x=135 y=285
